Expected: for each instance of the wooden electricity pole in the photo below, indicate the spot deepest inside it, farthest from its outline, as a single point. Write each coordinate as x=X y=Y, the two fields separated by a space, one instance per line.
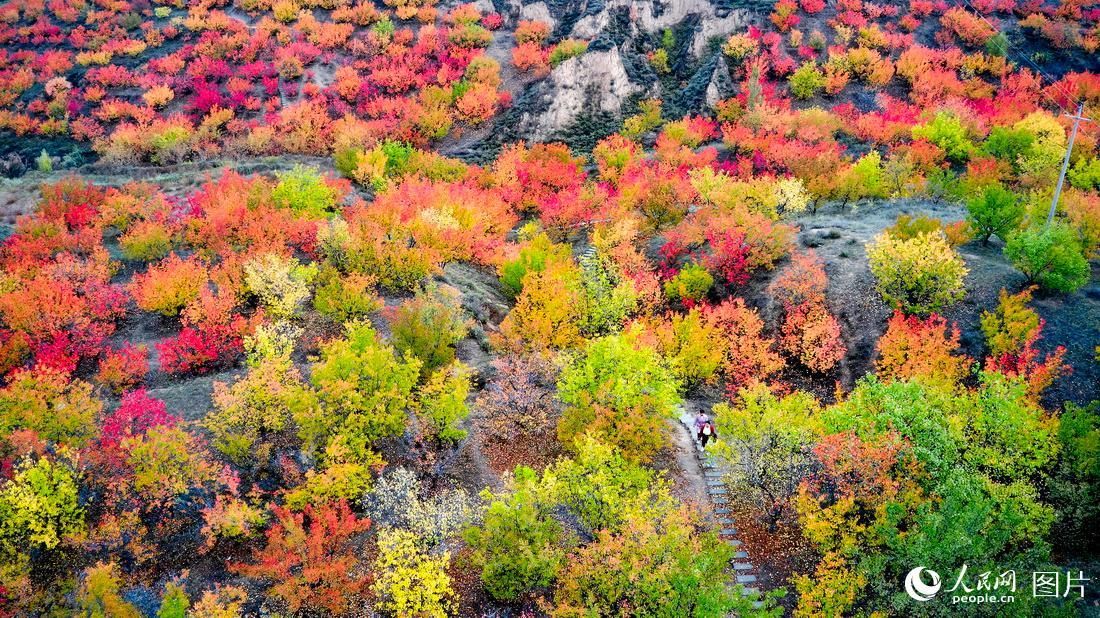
x=1065 y=162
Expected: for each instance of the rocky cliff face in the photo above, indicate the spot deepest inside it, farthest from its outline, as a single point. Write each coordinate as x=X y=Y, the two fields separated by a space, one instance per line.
x=615 y=71
x=595 y=81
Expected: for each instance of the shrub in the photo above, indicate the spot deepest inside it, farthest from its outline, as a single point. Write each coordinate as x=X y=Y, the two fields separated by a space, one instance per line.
x=1008 y=144
x=345 y=297
x=767 y=442
x=806 y=81
x=690 y=285
x=946 y=130
x=970 y=28
x=221 y=602
x=441 y=403
x=566 y=49
x=549 y=311
x=657 y=565
x=51 y=404
x=123 y=368
x=99 y=595
x=166 y=464
x=647 y=119
x=428 y=326
x=251 y=418
x=609 y=296
x=809 y=332
x=310 y=559
x=397 y=501
x=410 y=583
x=912 y=348
x=174 y=602
x=1049 y=256
x=690 y=346
x=619 y=391
x=919 y=275
x=519 y=400
x=39 y=507
x=812 y=335
x=231 y=519
x=747 y=355
x=1011 y=332
x=304 y=191
x=1008 y=328
x=1085 y=173
x=802 y=282
x=740 y=46
x=863 y=179
x=136 y=414
x=519 y=545
x=600 y=486
x=391 y=255
x=364 y=391
x=531 y=31
x=1076 y=478
x=995 y=210
x=535 y=252
x=531 y=58
x=146 y=241
x=167 y=286
x=906 y=227
x=199 y=350
x=281 y=283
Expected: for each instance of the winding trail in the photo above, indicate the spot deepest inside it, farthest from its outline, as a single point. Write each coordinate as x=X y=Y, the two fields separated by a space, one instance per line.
x=717 y=495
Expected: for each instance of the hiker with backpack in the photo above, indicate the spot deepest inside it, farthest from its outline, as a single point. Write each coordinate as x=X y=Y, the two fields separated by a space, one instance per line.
x=706 y=432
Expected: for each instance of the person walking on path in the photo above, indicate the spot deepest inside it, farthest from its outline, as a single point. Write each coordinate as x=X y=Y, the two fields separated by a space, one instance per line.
x=706 y=432
x=700 y=420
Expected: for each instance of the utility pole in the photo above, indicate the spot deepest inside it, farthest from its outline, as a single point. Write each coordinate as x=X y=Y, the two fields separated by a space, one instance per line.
x=1065 y=162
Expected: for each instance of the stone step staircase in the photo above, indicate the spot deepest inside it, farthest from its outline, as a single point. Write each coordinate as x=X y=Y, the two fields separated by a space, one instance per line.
x=744 y=572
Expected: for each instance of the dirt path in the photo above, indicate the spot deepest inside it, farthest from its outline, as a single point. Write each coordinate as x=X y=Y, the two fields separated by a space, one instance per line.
x=694 y=484
x=704 y=475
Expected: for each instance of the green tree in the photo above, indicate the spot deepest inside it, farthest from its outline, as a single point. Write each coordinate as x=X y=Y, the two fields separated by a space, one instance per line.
x=303 y=190
x=345 y=297
x=174 y=602
x=427 y=327
x=918 y=275
x=691 y=284
x=254 y=417
x=409 y=582
x=1075 y=481
x=1008 y=144
x=806 y=81
x=39 y=507
x=995 y=210
x=767 y=441
x=99 y=596
x=441 y=403
x=535 y=252
x=364 y=390
x=599 y=484
x=519 y=546
x=656 y=565
x=620 y=391
x=1049 y=256
x=947 y=131
x=609 y=297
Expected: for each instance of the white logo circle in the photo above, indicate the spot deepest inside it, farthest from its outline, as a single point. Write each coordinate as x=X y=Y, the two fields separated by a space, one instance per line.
x=917 y=589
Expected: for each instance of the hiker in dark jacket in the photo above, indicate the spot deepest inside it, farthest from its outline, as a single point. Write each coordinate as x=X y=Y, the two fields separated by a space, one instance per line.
x=706 y=432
